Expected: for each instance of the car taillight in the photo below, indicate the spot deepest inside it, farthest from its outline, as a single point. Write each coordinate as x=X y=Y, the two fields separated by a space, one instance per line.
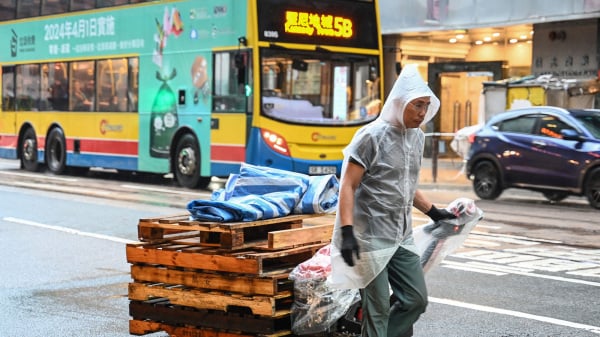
x=276 y=142
x=471 y=138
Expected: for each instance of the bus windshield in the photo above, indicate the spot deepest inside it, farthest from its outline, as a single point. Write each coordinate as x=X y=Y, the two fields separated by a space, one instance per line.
x=319 y=88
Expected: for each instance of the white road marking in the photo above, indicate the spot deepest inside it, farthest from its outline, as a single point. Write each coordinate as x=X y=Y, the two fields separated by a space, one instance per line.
x=483 y=267
x=469 y=242
x=475 y=270
x=488 y=266
x=517 y=237
x=488 y=226
x=504 y=239
x=67 y=230
x=590 y=328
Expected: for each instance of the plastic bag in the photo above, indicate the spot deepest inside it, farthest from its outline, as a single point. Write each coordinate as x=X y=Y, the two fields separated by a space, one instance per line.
x=317 y=306
x=436 y=240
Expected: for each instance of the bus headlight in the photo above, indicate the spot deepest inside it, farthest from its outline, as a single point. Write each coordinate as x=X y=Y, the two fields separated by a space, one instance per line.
x=276 y=142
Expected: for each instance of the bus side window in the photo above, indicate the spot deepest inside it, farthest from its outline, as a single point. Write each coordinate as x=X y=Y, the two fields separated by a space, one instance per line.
x=28 y=87
x=82 y=86
x=8 y=88
x=112 y=85
x=132 y=91
x=230 y=69
x=55 y=93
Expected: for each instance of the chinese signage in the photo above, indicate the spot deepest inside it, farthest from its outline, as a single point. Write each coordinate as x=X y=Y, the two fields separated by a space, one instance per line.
x=566 y=51
x=312 y=24
x=332 y=22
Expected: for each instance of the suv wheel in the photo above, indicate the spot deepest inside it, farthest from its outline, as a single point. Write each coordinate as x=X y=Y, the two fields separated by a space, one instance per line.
x=486 y=181
x=592 y=188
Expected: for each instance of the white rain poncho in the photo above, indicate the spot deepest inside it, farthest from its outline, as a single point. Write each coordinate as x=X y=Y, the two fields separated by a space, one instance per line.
x=391 y=155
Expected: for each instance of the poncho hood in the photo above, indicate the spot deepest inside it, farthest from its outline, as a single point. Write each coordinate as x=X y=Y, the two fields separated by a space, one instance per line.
x=409 y=85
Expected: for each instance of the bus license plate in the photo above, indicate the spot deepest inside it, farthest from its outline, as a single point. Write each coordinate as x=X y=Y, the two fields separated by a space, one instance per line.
x=322 y=170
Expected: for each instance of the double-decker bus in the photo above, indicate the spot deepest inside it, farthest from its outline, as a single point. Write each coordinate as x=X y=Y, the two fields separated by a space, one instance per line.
x=192 y=88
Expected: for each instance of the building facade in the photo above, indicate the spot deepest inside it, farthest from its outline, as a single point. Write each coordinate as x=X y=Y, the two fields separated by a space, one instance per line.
x=462 y=44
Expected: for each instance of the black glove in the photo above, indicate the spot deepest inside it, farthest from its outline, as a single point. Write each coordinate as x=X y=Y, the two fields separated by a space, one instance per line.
x=349 y=245
x=437 y=214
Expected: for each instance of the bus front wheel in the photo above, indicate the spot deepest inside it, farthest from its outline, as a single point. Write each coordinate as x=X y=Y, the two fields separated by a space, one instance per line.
x=187 y=163
x=56 y=151
x=29 y=155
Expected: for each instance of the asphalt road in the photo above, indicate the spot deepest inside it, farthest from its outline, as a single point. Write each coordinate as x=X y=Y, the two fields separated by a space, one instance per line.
x=530 y=268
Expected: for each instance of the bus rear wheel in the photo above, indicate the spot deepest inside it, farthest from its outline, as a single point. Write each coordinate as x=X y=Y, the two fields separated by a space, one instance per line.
x=56 y=151
x=29 y=154
x=187 y=163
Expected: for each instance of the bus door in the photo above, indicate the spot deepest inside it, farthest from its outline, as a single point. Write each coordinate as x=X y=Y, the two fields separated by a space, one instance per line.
x=7 y=126
x=232 y=110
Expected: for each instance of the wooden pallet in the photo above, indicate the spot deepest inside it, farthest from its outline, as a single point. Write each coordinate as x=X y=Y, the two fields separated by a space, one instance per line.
x=143 y=327
x=268 y=234
x=163 y=311
x=219 y=279
x=269 y=306
x=252 y=262
x=241 y=284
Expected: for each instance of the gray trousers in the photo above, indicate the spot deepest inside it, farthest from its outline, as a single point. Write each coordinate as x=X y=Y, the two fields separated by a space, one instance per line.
x=405 y=277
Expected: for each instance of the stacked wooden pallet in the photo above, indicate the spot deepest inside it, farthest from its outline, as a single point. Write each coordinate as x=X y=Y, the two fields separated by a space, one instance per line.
x=218 y=279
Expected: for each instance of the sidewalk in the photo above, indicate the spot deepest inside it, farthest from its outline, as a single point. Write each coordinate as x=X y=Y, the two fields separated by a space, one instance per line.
x=450 y=174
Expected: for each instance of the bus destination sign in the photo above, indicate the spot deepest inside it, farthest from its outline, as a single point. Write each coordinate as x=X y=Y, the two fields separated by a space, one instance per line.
x=311 y=24
x=319 y=22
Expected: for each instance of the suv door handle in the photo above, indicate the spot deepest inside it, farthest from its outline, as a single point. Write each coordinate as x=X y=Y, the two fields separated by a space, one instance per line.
x=538 y=143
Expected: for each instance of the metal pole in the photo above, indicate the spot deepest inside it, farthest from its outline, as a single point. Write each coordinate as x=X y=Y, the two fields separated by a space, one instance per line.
x=434 y=155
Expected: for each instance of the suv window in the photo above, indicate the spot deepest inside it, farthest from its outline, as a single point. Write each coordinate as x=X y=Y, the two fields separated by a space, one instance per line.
x=592 y=123
x=523 y=124
x=550 y=126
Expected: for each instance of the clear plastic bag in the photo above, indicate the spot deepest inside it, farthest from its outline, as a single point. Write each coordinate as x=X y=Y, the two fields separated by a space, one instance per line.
x=317 y=306
x=436 y=240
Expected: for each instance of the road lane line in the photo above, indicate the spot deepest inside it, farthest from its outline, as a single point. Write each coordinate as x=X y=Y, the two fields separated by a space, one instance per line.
x=481 y=271
x=590 y=328
x=517 y=237
x=488 y=226
x=488 y=267
x=523 y=242
x=67 y=230
x=469 y=242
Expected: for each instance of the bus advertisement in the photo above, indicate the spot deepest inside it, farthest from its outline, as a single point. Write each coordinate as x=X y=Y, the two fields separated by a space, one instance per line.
x=190 y=88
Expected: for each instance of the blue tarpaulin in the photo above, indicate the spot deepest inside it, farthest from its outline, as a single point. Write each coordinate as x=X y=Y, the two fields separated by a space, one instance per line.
x=262 y=193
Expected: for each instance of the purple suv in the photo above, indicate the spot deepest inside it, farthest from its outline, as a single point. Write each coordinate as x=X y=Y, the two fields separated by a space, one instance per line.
x=551 y=150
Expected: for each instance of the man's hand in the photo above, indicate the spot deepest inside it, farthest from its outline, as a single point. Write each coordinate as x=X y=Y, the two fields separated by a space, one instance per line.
x=437 y=214
x=349 y=245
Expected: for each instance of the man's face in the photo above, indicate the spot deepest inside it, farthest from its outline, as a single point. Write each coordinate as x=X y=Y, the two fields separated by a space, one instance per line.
x=415 y=112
